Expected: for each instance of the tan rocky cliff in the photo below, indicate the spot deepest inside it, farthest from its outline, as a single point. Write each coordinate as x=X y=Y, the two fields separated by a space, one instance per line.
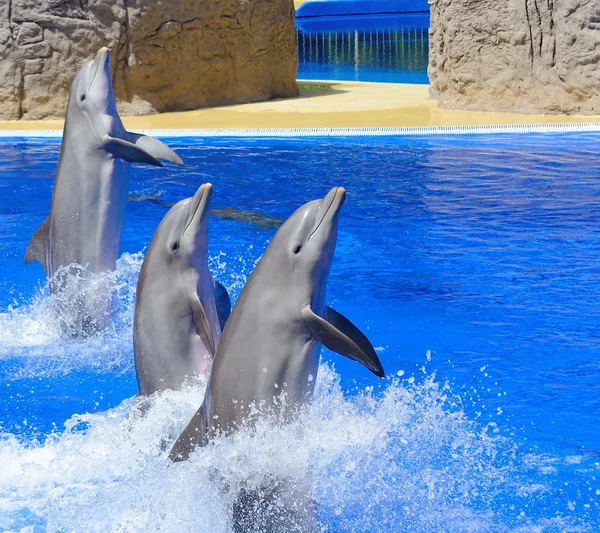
x=167 y=55
x=526 y=56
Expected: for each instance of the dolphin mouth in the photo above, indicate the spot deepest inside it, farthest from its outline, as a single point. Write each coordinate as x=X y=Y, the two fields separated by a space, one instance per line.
x=199 y=203
x=334 y=201
x=100 y=60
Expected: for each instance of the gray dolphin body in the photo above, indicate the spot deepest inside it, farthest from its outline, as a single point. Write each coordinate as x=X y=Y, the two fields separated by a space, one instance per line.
x=178 y=318
x=92 y=179
x=272 y=341
x=268 y=356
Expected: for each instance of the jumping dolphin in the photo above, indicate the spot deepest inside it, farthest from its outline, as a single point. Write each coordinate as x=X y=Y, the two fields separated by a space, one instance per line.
x=178 y=313
x=92 y=179
x=268 y=355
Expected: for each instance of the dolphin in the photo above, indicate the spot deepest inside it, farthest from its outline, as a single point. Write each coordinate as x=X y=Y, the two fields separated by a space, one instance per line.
x=268 y=355
x=179 y=308
x=228 y=213
x=92 y=179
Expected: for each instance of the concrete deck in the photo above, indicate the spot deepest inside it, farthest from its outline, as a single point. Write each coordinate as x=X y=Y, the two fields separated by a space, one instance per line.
x=347 y=105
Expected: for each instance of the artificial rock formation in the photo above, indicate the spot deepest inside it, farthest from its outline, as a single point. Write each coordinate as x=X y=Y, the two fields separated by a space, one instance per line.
x=527 y=56
x=166 y=55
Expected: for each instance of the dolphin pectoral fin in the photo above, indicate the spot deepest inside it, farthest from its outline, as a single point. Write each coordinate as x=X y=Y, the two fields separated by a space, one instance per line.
x=129 y=151
x=155 y=148
x=193 y=436
x=36 y=249
x=340 y=335
x=202 y=324
x=223 y=303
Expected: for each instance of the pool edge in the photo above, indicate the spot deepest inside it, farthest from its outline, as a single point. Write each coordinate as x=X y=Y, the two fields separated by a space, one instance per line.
x=579 y=127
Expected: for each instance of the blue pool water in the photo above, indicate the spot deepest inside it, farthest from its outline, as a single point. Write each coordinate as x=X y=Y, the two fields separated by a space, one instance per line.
x=383 y=48
x=471 y=263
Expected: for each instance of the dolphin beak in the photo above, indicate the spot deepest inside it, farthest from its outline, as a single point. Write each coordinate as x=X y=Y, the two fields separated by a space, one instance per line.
x=100 y=61
x=338 y=199
x=332 y=203
x=101 y=55
x=329 y=207
x=198 y=206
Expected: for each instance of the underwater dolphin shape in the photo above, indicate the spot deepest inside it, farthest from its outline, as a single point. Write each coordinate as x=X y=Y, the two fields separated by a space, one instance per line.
x=92 y=179
x=228 y=213
x=268 y=355
x=179 y=309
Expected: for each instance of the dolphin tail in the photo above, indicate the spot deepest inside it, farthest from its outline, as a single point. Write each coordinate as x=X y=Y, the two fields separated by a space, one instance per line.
x=194 y=435
x=340 y=335
x=223 y=303
x=36 y=249
x=154 y=147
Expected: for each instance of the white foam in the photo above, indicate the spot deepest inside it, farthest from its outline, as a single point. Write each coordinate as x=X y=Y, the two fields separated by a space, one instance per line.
x=373 y=463
x=115 y=475
x=31 y=335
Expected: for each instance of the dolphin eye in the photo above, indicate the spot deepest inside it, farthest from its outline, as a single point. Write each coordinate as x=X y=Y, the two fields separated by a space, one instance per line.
x=82 y=97
x=297 y=249
x=175 y=246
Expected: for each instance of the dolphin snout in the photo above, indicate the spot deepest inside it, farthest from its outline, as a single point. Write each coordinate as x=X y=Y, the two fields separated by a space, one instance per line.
x=100 y=65
x=332 y=202
x=340 y=196
x=198 y=206
x=203 y=194
x=329 y=207
x=102 y=55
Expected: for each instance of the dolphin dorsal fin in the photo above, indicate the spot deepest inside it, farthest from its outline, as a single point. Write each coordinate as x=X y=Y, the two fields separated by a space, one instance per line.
x=340 y=335
x=193 y=436
x=38 y=244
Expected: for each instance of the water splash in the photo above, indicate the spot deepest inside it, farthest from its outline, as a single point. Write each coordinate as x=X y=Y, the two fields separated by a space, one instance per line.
x=33 y=340
x=32 y=337
x=407 y=458
x=234 y=271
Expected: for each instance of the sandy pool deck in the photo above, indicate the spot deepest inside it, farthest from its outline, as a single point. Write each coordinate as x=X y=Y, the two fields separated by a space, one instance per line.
x=345 y=105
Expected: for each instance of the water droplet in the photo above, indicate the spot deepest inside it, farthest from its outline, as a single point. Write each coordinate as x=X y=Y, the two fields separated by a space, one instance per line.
x=264 y=369
x=310 y=377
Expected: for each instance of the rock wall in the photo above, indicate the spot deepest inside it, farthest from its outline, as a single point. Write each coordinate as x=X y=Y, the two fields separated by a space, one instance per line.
x=527 y=56
x=169 y=55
